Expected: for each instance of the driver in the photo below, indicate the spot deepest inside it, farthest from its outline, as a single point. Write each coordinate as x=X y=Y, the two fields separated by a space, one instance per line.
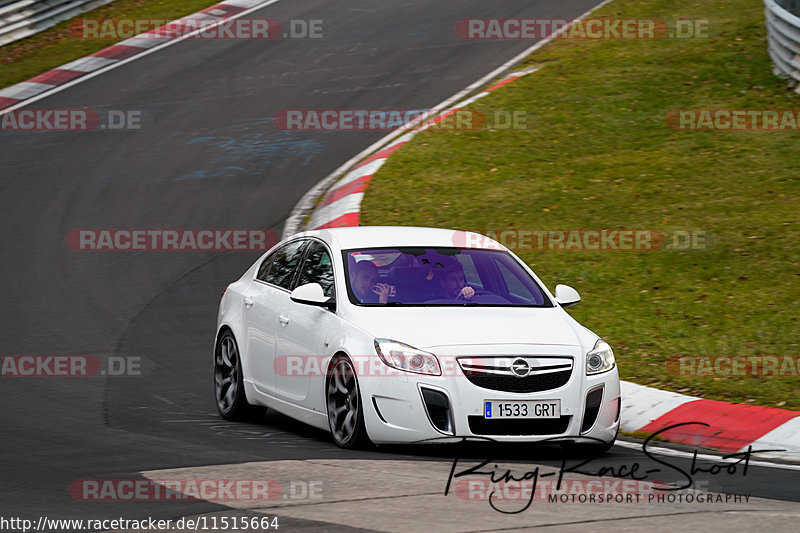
x=453 y=283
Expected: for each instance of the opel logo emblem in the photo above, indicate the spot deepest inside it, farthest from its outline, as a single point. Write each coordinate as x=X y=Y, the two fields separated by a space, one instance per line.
x=520 y=368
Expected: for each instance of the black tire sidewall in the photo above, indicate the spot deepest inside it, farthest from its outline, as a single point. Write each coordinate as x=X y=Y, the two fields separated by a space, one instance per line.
x=359 y=437
x=239 y=404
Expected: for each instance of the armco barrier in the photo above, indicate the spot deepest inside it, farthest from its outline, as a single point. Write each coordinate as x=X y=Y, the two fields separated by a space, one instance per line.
x=22 y=18
x=783 y=39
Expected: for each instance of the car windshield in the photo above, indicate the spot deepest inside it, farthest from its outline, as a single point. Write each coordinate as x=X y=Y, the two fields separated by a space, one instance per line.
x=422 y=276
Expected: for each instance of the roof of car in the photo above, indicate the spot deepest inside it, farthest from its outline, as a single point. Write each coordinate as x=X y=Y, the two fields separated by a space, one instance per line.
x=394 y=236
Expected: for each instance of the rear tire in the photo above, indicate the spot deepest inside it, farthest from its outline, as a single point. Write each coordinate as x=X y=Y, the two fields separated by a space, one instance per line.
x=345 y=410
x=229 y=381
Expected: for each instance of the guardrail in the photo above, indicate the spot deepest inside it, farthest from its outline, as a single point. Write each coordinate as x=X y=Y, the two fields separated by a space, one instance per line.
x=783 y=38
x=23 y=18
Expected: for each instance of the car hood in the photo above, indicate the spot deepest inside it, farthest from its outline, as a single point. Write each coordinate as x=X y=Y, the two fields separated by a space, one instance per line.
x=432 y=327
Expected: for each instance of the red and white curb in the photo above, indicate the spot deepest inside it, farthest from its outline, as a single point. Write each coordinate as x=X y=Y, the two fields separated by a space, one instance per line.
x=24 y=92
x=341 y=204
x=725 y=426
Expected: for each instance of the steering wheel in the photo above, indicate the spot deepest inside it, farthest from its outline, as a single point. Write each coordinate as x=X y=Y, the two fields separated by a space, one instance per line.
x=477 y=293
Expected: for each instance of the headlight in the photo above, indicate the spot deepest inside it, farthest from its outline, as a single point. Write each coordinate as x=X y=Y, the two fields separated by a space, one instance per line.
x=600 y=359
x=404 y=357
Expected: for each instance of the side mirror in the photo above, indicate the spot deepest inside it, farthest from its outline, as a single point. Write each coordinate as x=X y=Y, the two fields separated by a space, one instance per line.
x=566 y=295
x=312 y=294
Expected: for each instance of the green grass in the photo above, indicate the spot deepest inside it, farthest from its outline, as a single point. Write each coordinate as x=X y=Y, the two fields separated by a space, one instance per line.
x=55 y=46
x=598 y=154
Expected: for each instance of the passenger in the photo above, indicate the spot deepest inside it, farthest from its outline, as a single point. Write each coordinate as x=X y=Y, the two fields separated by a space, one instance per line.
x=364 y=278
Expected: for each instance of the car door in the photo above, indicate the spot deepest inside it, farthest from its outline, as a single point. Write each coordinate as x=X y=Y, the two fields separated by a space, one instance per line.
x=303 y=332
x=262 y=303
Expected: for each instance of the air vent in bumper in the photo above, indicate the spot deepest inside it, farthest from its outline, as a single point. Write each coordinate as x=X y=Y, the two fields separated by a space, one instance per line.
x=437 y=406
x=592 y=408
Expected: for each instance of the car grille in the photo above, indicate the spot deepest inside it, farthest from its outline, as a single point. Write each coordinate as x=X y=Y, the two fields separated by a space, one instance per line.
x=520 y=426
x=502 y=373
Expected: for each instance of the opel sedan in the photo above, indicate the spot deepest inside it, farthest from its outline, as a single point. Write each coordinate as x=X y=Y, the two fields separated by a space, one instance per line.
x=404 y=335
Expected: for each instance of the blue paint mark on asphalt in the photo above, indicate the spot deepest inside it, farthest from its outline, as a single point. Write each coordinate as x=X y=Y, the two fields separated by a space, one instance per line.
x=251 y=153
x=225 y=172
x=201 y=140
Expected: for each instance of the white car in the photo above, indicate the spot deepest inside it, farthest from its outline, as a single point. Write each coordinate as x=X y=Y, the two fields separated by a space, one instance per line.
x=403 y=335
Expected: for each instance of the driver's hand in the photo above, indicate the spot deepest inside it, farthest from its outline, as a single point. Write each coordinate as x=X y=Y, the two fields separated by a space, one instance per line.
x=467 y=292
x=382 y=290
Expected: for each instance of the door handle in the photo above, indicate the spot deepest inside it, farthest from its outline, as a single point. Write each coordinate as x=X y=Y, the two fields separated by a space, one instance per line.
x=283 y=319
x=248 y=302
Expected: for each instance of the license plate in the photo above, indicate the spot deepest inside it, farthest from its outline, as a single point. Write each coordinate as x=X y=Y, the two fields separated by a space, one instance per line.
x=522 y=409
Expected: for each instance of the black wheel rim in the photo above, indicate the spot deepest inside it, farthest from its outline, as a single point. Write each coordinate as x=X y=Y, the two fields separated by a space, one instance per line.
x=343 y=401
x=226 y=373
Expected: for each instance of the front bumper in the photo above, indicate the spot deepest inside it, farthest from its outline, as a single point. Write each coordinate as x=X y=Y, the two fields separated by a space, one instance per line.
x=408 y=408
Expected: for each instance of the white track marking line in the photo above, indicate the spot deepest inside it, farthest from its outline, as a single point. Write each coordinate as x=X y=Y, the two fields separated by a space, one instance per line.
x=702 y=456
x=145 y=52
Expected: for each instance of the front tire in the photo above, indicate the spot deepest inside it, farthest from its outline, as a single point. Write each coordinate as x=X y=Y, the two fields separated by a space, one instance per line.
x=593 y=449
x=229 y=380
x=345 y=410
x=610 y=444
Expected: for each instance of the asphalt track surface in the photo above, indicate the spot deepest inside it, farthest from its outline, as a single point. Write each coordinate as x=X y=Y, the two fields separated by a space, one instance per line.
x=207 y=156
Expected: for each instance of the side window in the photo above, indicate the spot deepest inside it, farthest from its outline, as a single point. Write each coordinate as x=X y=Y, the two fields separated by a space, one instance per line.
x=317 y=268
x=264 y=268
x=281 y=271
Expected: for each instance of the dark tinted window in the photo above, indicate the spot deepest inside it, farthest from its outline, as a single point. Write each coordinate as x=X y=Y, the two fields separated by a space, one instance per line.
x=284 y=264
x=264 y=268
x=317 y=268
